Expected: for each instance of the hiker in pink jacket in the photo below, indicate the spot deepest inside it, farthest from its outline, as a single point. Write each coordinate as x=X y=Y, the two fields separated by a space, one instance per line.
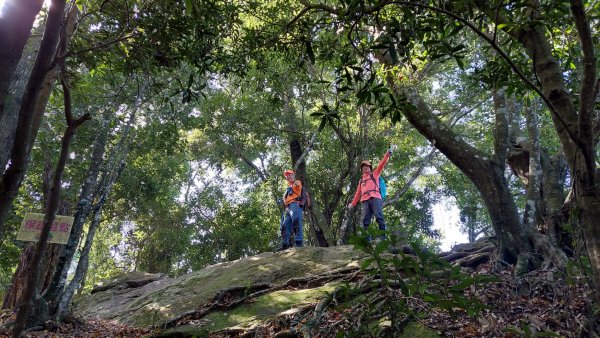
x=368 y=191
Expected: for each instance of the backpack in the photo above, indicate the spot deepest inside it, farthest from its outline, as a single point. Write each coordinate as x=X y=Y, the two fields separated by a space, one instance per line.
x=304 y=199
x=382 y=186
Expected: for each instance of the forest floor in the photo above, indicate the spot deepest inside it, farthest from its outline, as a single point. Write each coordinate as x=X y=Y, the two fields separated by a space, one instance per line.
x=539 y=304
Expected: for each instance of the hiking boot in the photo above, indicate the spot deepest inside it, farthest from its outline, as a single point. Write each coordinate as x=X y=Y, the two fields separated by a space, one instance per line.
x=282 y=248
x=299 y=244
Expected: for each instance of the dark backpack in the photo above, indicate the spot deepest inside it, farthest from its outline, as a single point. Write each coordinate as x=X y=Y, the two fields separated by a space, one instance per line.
x=304 y=199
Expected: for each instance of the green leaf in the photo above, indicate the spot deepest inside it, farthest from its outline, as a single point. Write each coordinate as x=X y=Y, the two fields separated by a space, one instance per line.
x=323 y=123
x=366 y=263
x=381 y=247
x=189 y=6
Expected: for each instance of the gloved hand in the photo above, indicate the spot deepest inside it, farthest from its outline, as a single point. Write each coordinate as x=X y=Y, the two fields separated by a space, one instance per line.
x=393 y=148
x=349 y=206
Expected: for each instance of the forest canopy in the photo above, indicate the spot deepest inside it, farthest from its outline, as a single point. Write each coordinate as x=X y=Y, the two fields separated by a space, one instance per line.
x=164 y=128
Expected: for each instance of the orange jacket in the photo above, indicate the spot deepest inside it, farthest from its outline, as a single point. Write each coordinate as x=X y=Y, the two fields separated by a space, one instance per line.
x=296 y=191
x=368 y=188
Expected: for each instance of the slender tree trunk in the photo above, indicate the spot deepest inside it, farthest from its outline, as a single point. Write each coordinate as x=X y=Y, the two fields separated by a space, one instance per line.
x=320 y=231
x=17 y=21
x=12 y=178
x=82 y=265
x=588 y=203
x=532 y=214
x=553 y=198
x=52 y=294
x=470 y=216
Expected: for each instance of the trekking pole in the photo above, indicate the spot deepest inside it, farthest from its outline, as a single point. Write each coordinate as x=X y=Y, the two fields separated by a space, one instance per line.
x=279 y=204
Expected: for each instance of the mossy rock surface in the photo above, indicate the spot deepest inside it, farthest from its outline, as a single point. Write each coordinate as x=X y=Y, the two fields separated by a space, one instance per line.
x=160 y=301
x=248 y=316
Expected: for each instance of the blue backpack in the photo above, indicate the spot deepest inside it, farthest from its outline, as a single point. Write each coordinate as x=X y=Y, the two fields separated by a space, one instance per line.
x=382 y=188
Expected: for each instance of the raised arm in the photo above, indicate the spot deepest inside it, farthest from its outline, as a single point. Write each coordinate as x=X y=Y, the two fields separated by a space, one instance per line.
x=382 y=163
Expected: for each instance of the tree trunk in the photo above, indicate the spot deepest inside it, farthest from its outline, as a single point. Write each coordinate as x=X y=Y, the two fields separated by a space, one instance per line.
x=553 y=199
x=587 y=202
x=19 y=280
x=82 y=266
x=572 y=124
x=8 y=119
x=12 y=178
x=532 y=215
x=52 y=294
x=31 y=293
x=468 y=216
x=320 y=231
x=317 y=221
x=17 y=21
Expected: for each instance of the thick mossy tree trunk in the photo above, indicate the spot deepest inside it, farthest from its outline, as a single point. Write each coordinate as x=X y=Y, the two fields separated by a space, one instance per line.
x=572 y=114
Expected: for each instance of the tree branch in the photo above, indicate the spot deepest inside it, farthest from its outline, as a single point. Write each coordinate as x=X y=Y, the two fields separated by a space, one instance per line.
x=102 y=45
x=307 y=150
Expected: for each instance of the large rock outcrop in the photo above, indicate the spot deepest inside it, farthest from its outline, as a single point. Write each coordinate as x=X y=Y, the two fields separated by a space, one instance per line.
x=162 y=300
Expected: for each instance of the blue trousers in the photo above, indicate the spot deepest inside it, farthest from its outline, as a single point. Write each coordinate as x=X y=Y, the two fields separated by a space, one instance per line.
x=292 y=223
x=373 y=207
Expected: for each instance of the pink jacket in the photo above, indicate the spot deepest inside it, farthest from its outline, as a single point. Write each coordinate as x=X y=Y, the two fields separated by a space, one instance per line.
x=367 y=188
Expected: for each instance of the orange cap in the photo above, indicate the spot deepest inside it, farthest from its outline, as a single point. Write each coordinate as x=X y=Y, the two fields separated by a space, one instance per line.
x=288 y=172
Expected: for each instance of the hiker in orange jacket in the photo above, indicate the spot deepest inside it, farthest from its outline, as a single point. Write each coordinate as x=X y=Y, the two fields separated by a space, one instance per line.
x=292 y=222
x=368 y=191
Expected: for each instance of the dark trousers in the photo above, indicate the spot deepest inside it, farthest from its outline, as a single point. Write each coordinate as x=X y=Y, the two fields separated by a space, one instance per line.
x=292 y=224
x=373 y=207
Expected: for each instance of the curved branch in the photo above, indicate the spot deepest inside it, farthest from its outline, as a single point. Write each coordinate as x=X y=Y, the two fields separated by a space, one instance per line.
x=306 y=151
